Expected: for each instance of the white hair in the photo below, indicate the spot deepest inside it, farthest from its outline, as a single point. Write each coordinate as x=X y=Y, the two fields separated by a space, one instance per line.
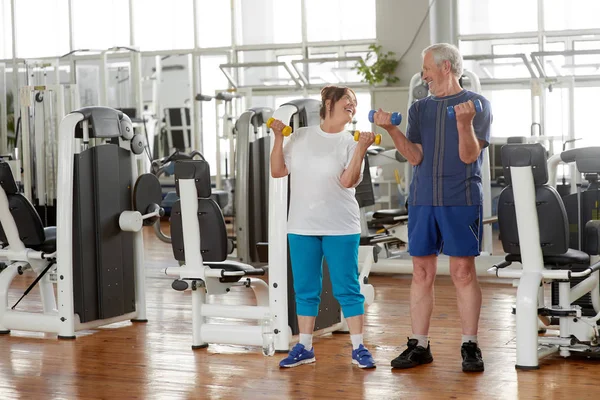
x=446 y=52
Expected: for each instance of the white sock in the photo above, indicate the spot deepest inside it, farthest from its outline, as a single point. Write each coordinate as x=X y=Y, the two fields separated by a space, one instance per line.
x=422 y=339
x=306 y=340
x=357 y=340
x=469 y=338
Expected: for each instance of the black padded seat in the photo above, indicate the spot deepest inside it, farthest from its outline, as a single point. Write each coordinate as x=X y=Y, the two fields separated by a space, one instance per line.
x=49 y=245
x=571 y=257
x=376 y=238
x=366 y=240
x=233 y=266
x=393 y=212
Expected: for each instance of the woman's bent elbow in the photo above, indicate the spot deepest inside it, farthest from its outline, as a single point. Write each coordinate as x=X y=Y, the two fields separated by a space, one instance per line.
x=346 y=183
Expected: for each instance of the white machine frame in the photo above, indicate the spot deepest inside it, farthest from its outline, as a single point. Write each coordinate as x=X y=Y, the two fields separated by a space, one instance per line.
x=59 y=317
x=573 y=329
x=272 y=298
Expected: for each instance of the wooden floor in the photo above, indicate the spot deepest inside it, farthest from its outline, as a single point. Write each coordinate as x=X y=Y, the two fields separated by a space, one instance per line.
x=155 y=360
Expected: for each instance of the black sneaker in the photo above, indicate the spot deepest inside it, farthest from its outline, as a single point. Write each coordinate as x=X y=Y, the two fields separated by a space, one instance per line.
x=413 y=356
x=471 y=355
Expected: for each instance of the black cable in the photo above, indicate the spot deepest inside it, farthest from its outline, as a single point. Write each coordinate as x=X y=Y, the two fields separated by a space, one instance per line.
x=40 y=276
x=418 y=30
x=147 y=147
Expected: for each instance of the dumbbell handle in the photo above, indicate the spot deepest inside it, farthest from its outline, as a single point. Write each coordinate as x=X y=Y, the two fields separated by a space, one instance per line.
x=285 y=132
x=476 y=103
x=395 y=118
x=357 y=137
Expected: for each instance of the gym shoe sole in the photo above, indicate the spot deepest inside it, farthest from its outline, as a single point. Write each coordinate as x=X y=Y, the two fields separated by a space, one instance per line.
x=306 y=361
x=355 y=362
x=473 y=368
x=414 y=364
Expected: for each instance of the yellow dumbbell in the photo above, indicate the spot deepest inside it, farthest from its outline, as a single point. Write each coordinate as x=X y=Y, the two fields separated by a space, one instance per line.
x=377 y=137
x=287 y=131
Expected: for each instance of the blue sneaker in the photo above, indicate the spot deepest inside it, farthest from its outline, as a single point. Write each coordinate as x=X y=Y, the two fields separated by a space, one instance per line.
x=298 y=356
x=362 y=357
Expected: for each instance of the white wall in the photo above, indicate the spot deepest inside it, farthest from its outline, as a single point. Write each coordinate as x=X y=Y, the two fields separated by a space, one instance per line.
x=397 y=25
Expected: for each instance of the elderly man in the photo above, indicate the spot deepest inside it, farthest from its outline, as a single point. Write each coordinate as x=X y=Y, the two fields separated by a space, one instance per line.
x=445 y=200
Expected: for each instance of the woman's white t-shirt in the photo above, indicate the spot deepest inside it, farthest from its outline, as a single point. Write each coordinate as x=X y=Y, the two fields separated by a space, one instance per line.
x=319 y=204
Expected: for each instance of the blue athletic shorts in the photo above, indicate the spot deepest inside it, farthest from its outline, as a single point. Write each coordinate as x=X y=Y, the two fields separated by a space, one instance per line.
x=452 y=230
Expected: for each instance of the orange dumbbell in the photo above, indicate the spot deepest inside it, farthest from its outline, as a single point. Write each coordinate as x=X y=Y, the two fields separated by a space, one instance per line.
x=287 y=131
x=377 y=137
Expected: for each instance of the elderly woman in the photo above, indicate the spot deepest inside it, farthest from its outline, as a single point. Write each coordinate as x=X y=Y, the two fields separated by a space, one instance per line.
x=325 y=163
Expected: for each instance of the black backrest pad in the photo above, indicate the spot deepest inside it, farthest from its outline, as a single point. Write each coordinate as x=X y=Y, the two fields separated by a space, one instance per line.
x=364 y=191
x=521 y=155
x=552 y=219
x=29 y=224
x=199 y=170
x=104 y=122
x=213 y=233
x=7 y=180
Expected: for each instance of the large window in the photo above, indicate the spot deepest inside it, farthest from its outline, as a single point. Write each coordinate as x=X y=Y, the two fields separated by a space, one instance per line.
x=100 y=25
x=162 y=25
x=586 y=118
x=511 y=110
x=567 y=76
x=5 y=30
x=214 y=23
x=268 y=21
x=506 y=16
x=43 y=32
x=571 y=14
x=334 y=20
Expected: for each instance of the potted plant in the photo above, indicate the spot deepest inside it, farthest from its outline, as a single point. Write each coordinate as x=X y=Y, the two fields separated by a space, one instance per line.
x=380 y=70
x=10 y=112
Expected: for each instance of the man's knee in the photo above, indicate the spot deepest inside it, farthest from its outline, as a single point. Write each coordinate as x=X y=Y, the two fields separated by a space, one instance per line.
x=424 y=270
x=462 y=270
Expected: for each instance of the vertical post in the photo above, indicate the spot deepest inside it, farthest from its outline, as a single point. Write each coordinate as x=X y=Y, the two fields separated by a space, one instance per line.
x=136 y=72
x=278 y=245
x=571 y=119
x=64 y=225
x=191 y=143
x=198 y=300
x=441 y=25
x=196 y=86
x=103 y=92
x=488 y=245
x=25 y=96
x=532 y=261
x=241 y=187
x=71 y=36
x=138 y=253
x=4 y=112
x=218 y=145
x=16 y=102
x=39 y=140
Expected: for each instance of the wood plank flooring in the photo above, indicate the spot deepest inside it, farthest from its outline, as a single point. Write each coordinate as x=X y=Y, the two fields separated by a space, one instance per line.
x=155 y=360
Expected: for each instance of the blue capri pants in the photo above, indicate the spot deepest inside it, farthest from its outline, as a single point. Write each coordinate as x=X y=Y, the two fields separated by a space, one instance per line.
x=341 y=253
